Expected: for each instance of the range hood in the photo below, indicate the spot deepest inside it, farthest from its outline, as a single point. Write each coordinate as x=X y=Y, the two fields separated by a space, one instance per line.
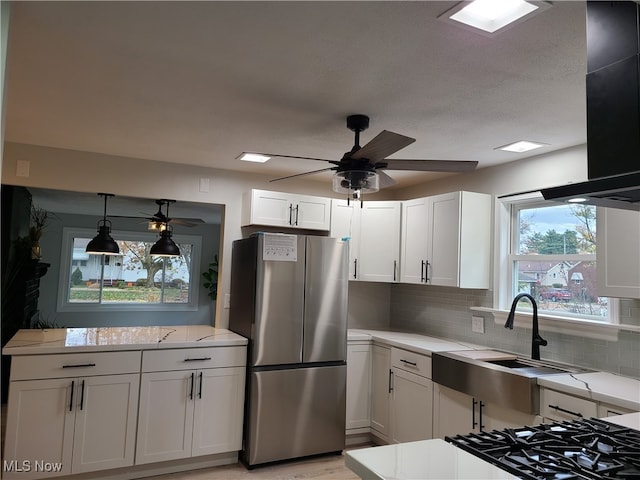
x=613 y=110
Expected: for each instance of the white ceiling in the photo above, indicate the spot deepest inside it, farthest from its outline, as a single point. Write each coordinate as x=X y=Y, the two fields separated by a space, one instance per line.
x=200 y=82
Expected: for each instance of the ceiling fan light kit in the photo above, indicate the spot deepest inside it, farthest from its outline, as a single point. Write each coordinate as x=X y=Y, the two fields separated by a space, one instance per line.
x=360 y=170
x=103 y=243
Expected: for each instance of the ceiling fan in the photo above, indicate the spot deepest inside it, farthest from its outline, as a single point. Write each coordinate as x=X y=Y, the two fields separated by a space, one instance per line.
x=360 y=170
x=159 y=220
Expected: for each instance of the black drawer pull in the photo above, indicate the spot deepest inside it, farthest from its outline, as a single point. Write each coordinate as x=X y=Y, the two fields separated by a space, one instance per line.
x=413 y=364
x=80 y=365
x=560 y=409
x=203 y=359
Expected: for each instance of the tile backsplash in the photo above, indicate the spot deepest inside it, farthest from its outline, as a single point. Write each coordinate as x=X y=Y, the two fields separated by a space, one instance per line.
x=444 y=312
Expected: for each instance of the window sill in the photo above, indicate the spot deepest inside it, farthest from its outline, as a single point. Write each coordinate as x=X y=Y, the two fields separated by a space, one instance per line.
x=564 y=325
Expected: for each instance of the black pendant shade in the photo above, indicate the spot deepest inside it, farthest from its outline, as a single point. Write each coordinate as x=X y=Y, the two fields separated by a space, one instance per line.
x=165 y=246
x=102 y=243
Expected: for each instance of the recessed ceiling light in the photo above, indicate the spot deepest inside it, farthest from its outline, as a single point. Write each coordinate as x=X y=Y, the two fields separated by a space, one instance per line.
x=577 y=200
x=253 y=157
x=490 y=16
x=521 y=146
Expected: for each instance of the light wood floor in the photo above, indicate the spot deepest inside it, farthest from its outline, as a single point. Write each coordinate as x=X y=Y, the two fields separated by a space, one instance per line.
x=326 y=467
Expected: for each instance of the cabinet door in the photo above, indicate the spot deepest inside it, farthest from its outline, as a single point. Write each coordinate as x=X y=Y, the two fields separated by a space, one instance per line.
x=411 y=407
x=379 y=249
x=618 y=253
x=496 y=417
x=380 y=389
x=312 y=213
x=105 y=428
x=413 y=252
x=270 y=208
x=40 y=428
x=219 y=409
x=453 y=412
x=165 y=418
x=358 y=386
x=345 y=223
x=444 y=239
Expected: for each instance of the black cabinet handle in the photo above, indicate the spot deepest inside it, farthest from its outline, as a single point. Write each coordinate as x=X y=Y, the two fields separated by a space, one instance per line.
x=201 y=359
x=73 y=388
x=481 y=424
x=395 y=269
x=297 y=213
x=200 y=388
x=390 y=380
x=80 y=365
x=82 y=396
x=560 y=409
x=426 y=272
x=290 y=213
x=422 y=277
x=355 y=268
x=193 y=380
x=413 y=364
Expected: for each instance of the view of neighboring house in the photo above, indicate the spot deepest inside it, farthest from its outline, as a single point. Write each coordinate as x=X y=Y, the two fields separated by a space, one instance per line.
x=576 y=277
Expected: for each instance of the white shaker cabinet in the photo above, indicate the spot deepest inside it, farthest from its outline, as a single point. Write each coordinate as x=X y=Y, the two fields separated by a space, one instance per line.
x=279 y=209
x=64 y=424
x=446 y=240
x=187 y=411
x=374 y=231
x=358 y=415
x=618 y=252
x=456 y=413
x=380 y=390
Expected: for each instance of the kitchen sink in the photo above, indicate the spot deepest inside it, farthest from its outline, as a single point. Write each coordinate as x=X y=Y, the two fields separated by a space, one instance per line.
x=497 y=377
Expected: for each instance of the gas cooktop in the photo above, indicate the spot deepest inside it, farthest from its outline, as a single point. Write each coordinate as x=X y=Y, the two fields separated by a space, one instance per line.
x=582 y=449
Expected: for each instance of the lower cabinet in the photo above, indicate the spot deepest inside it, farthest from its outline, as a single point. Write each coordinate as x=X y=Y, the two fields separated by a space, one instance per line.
x=358 y=415
x=69 y=425
x=458 y=413
x=559 y=406
x=402 y=395
x=189 y=412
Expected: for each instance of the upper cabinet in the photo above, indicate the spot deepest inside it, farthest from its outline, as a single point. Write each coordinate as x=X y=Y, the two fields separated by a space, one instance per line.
x=446 y=240
x=618 y=252
x=374 y=232
x=279 y=209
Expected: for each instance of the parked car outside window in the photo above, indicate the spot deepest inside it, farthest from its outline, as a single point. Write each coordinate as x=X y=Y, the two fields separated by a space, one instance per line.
x=556 y=294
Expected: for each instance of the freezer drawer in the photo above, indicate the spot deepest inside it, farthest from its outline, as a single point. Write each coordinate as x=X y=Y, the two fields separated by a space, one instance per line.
x=294 y=413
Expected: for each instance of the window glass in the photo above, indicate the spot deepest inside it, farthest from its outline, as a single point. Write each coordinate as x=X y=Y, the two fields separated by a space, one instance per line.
x=554 y=259
x=133 y=278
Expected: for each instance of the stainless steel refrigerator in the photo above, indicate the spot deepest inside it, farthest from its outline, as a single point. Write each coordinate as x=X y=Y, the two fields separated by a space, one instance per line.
x=289 y=298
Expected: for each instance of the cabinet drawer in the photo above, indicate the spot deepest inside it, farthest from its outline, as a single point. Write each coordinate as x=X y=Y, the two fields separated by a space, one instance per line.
x=560 y=406
x=411 y=362
x=33 y=367
x=190 y=358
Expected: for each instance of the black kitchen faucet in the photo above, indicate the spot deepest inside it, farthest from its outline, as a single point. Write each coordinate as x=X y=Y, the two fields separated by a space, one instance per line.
x=536 y=339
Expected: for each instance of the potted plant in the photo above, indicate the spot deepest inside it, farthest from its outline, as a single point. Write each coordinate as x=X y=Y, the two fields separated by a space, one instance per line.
x=39 y=217
x=211 y=279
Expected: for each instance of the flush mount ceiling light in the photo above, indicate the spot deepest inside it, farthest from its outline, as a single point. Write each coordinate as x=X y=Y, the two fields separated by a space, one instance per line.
x=490 y=17
x=102 y=243
x=520 y=146
x=253 y=157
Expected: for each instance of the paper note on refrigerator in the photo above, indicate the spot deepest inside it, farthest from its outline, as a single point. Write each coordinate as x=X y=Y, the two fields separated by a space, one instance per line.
x=280 y=247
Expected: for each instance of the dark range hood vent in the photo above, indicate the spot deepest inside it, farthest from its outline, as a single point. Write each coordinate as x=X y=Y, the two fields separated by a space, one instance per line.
x=613 y=109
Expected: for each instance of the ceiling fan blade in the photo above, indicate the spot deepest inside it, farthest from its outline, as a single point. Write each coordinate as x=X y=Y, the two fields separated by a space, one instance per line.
x=303 y=174
x=335 y=162
x=385 y=180
x=186 y=222
x=429 y=165
x=383 y=145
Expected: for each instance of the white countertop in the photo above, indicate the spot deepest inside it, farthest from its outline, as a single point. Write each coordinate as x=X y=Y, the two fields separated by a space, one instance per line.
x=425 y=460
x=411 y=341
x=75 y=340
x=600 y=386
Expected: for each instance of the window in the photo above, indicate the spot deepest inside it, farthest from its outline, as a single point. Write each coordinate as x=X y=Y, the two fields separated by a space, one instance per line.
x=551 y=256
x=133 y=280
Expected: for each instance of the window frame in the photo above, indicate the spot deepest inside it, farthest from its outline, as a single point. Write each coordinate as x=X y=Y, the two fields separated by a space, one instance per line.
x=503 y=293
x=68 y=235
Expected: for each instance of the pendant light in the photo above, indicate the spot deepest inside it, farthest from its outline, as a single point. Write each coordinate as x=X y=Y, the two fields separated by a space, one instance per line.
x=102 y=243
x=165 y=246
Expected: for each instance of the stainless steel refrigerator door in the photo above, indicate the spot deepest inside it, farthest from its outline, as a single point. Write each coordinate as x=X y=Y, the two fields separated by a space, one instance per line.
x=279 y=306
x=295 y=413
x=326 y=300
